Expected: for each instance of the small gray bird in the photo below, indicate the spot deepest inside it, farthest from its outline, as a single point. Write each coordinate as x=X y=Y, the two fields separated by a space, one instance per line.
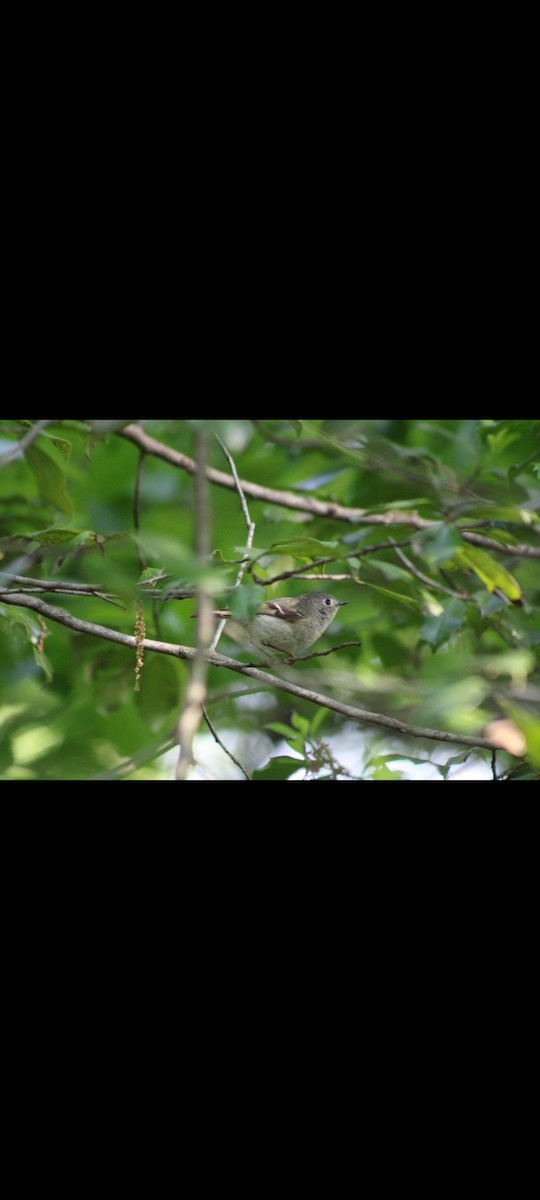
x=290 y=624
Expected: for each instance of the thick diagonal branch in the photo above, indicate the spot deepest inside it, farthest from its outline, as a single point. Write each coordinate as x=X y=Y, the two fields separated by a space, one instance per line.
x=188 y=653
x=309 y=504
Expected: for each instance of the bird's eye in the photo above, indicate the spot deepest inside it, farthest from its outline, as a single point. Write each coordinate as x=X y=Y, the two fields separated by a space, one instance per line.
x=328 y=600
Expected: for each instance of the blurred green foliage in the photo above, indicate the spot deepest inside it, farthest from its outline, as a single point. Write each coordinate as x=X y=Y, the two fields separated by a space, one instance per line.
x=449 y=629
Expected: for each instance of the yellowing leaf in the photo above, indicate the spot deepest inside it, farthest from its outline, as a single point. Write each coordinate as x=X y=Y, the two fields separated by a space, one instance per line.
x=492 y=573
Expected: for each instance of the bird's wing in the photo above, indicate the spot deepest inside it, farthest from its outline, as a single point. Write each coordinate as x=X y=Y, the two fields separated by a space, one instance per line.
x=280 y=609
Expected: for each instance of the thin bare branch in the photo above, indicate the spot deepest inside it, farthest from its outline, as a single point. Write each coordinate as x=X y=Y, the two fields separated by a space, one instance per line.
x=520 y=551
x=330 y=578
x=46 y=586
x=431 y=583
x=250 y=526
x=188 y=654
x=322 y=562
x=229 y=753
x=324 y=653
x=24 y=443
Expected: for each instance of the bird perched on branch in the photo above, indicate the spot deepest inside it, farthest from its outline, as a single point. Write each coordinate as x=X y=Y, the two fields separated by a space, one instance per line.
x=290 y=624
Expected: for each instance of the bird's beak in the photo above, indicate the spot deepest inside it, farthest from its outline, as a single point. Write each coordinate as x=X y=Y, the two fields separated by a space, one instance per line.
x=342 y=602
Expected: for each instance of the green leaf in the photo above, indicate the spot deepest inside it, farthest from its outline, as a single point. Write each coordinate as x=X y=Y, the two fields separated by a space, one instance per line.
x=50 y=480
x=43 y=663
x=279 y=768
x=320 y=716
x=436 y=631
x=303 y=547
x=26 y=621
x=501 y=512
x=300 y=723
x=62 y=445
x=399 y=596
x=492 y=573
x=499 y=442
x=104 y=427
x=54 y=536
x=441 y=544
x=385 y=775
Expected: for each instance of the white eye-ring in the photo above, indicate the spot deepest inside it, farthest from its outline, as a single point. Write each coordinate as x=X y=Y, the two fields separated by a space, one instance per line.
x=328 y=600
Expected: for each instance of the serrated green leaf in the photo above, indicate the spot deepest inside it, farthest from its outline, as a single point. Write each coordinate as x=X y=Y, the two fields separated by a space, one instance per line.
x=50 y=480
x=53 y=536
x=62 y=445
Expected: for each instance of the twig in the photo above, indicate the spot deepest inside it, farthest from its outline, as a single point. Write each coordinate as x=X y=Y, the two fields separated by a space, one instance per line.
x=494 y=767
x=229 y=753
x=478 y=539
x=324 y=653
x=24 y=443
x=330 y=578
x=307 y=504
x=323 y=562
x=431 y=583
x=65 y=591
x=190 y=718
x=218 y=697
x=250 y=526
x=188 y=654
x=43 y=586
